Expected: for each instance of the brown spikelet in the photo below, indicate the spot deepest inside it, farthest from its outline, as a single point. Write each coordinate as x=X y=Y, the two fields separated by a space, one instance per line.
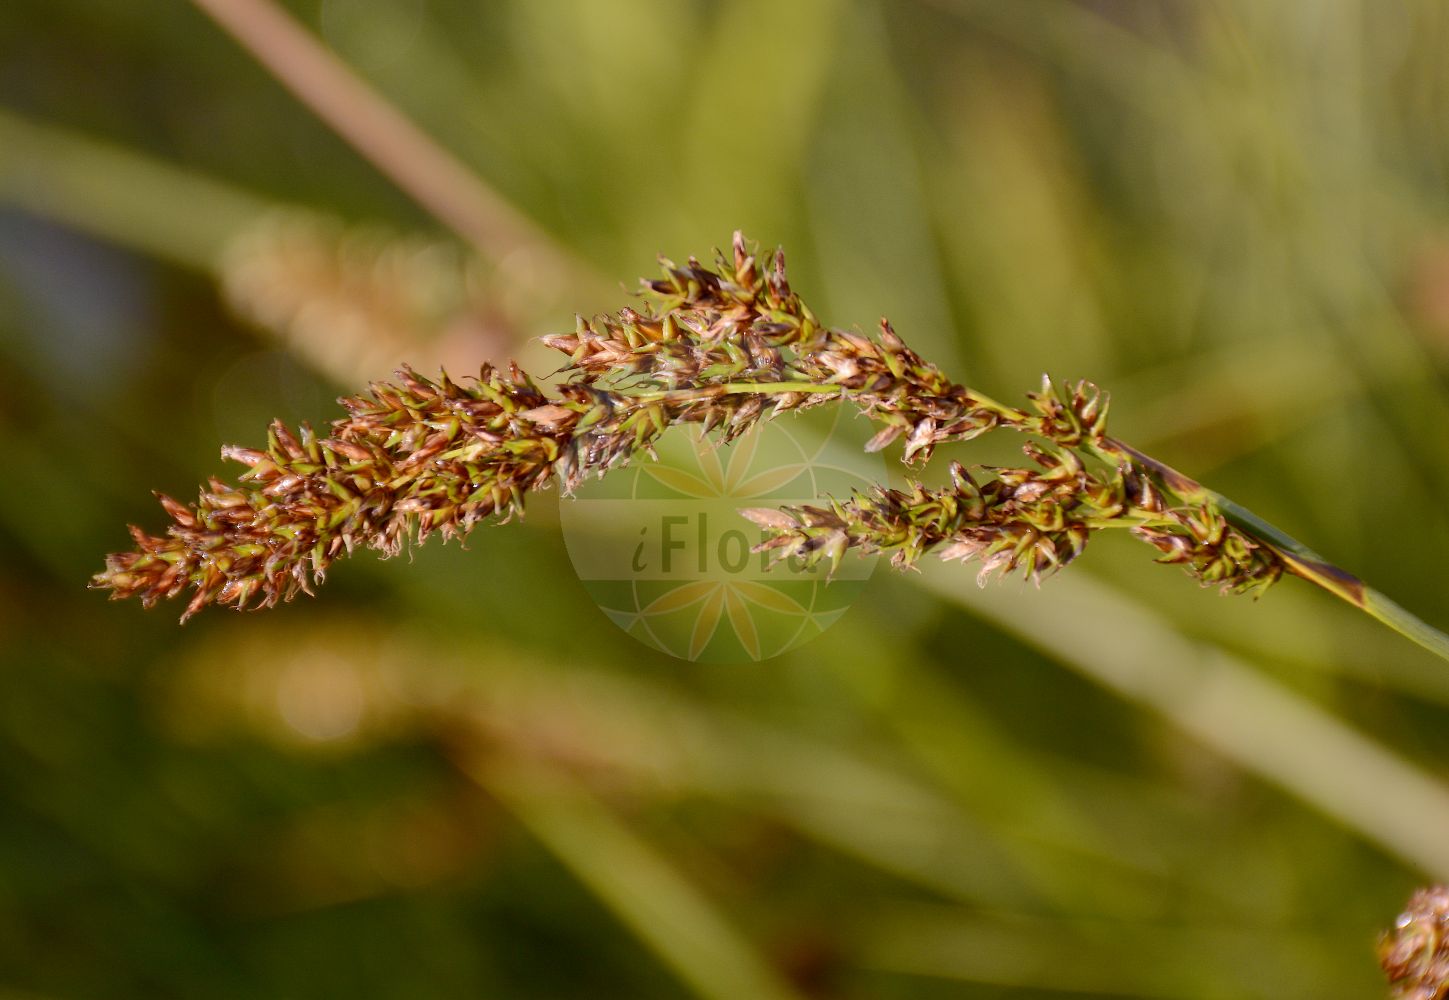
x=1415 y=953
x=410 y=458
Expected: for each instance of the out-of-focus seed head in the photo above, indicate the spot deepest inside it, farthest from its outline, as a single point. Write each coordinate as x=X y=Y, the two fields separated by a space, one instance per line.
x=1415 y=953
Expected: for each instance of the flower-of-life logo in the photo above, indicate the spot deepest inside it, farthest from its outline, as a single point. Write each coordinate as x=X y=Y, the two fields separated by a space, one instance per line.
x=662 y=549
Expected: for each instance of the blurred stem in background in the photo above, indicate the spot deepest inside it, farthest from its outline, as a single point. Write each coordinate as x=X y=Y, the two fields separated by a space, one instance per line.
x=436 y=179
x=123 y=196
x=1230 y=707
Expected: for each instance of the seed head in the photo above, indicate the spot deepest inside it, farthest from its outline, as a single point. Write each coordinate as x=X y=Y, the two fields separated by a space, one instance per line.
x=1415 y=953
x=721 y=347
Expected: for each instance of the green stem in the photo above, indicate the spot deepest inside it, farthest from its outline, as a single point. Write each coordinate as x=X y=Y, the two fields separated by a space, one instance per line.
x=781 y=387
x=1299 y=558
x=727 y=389
x=121 y=195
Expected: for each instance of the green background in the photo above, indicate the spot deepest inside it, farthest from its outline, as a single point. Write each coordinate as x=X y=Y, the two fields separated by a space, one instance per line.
x=452 y=776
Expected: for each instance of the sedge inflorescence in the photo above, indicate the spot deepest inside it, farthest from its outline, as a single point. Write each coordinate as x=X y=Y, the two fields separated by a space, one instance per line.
x=720 y=348
x=1415 y=954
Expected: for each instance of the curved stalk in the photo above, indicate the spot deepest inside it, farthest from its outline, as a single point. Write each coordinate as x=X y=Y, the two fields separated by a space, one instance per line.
x=1299 y=559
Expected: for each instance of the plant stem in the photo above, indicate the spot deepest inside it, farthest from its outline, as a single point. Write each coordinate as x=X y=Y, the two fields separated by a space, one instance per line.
x=120 y=195
x=728 y=389
x=414 y=161
x=1299 y=558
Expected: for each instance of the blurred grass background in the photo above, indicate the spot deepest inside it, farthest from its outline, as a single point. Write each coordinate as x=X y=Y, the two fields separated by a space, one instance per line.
x=457 y=778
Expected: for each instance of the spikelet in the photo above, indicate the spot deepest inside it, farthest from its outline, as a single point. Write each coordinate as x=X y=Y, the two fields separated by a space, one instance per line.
x=1415 y=953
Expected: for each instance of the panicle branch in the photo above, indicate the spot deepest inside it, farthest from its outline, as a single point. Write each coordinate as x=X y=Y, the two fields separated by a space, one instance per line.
x=1033 y=520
